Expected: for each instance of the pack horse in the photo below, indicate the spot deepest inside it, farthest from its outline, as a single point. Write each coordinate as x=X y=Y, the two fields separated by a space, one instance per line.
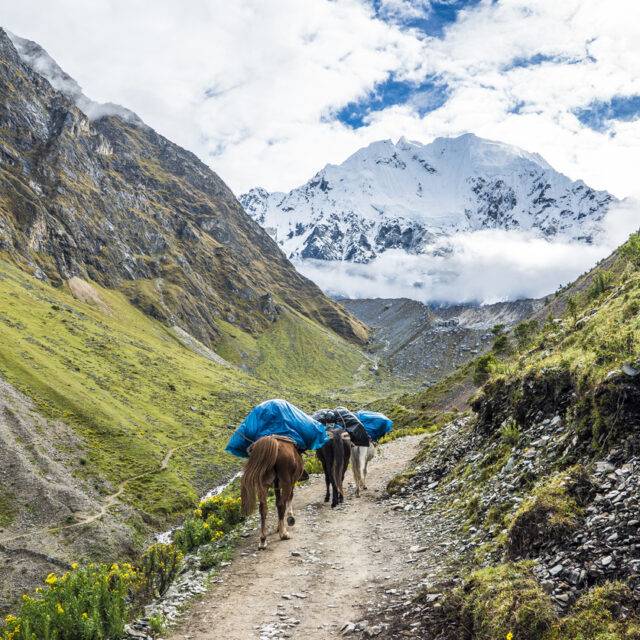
x=274 y=462
x=272 y=437
x=334 y=456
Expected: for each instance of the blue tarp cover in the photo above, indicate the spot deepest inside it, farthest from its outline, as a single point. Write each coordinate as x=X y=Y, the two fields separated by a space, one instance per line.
x=277 y=417
x=376 y=424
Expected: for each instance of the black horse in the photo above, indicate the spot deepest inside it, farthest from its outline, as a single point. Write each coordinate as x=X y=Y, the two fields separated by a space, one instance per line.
x=334 y=456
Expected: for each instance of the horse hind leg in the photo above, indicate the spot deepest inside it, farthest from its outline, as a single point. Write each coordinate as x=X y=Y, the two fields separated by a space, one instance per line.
x=282 y=503
x=364 y=470
x=355 y=467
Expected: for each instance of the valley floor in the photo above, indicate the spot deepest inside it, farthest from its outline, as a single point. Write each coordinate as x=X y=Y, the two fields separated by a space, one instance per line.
x=338 y=564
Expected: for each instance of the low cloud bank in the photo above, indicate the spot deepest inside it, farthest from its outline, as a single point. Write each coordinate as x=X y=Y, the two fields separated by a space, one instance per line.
x=481 y=267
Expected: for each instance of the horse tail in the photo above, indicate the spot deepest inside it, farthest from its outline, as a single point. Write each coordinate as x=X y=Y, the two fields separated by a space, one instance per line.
x=261 y=459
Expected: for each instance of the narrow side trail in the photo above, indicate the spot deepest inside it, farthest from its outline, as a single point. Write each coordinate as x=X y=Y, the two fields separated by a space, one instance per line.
x=313 y=584
x=108 y=502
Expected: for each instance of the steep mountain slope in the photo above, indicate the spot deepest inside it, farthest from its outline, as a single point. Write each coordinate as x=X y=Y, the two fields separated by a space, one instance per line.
x=415 y=340
x=112 y=201
x=112 y=424
x=538 y=489
x=411 y=197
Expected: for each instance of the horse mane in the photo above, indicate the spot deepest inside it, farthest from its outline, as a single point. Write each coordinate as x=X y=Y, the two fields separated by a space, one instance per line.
x=262 y=458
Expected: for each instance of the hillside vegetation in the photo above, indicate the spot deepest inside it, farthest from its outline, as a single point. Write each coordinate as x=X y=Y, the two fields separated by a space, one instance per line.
x=541 y=475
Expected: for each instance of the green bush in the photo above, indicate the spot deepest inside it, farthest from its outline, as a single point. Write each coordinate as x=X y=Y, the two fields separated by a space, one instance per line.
x=631 y=249
x=210 y=521
x=502 y=344
x=158 y=567
x=483 y=367
x=510 y=433
x=597 y=616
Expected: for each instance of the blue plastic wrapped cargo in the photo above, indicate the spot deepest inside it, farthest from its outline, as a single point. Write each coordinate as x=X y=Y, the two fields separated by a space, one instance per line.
x=277 y=417
x=376 y=424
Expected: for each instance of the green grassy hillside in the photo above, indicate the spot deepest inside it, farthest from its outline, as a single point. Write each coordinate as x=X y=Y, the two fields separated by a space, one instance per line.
x=134 y=391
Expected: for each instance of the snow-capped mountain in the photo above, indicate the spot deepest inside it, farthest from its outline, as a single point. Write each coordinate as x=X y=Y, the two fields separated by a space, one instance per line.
x=412 y=197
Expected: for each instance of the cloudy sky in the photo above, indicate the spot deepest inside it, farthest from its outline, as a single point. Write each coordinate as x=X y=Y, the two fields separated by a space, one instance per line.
x=268 y=91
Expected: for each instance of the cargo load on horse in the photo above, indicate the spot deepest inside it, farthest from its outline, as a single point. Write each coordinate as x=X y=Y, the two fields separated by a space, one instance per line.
x=376 y=424
x=345 y=419
x=281 y=418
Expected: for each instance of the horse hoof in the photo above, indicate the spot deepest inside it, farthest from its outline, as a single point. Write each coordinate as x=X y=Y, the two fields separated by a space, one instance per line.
x=285 y=536
x=263 y=545
x=291 y=521
x=326 y=499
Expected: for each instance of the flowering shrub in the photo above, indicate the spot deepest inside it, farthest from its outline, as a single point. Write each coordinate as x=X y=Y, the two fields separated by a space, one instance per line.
x=85 y=604
x=210 y=521
x=158 y=567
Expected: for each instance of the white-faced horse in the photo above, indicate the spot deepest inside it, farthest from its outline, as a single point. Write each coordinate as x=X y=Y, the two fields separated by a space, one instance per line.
x=360 y=457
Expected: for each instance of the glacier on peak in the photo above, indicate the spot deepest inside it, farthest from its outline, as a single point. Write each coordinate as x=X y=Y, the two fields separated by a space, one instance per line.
x=413 y=199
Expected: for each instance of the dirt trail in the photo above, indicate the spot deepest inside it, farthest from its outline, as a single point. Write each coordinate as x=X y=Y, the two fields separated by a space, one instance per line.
x=310 y=586
x=107 y=503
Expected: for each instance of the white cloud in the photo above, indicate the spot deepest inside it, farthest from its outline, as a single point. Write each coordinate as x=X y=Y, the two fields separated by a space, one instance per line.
x=483 y=267
x=251 y=85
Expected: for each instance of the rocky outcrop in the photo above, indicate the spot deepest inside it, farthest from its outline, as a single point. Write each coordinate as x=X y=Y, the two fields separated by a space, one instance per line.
x=417 y=340
x=109 y=200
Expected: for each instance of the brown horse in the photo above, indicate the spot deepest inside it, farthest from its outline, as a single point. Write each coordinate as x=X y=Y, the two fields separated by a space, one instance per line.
x=273 y=462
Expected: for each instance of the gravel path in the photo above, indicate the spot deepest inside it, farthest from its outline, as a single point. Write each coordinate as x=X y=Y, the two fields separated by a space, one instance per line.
x=334 y=566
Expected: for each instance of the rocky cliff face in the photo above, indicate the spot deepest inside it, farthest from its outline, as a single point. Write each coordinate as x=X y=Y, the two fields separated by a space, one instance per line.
x=415 y=340
x=111 y=200
x=411 y=197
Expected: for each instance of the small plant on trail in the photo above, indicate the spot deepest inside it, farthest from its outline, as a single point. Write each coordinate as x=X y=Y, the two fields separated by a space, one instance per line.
x=158 y=625
x=208 y=558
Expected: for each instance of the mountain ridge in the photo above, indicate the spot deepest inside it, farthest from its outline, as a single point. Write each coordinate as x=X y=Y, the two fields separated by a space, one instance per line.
x=112 y=201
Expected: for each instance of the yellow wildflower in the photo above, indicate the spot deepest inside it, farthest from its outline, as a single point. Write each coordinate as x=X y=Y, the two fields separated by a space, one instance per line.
x=60 y=609
x=85 y=614
x=509 y=636
x=51 y=578
x=10 y=620
x=74 y=565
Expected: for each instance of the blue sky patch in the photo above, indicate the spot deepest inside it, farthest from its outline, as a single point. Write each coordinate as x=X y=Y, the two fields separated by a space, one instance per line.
x=599 y=113
x=432 y=21
x=423 y=98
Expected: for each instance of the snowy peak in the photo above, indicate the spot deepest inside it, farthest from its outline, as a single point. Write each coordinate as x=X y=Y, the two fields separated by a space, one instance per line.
x=410 y=196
